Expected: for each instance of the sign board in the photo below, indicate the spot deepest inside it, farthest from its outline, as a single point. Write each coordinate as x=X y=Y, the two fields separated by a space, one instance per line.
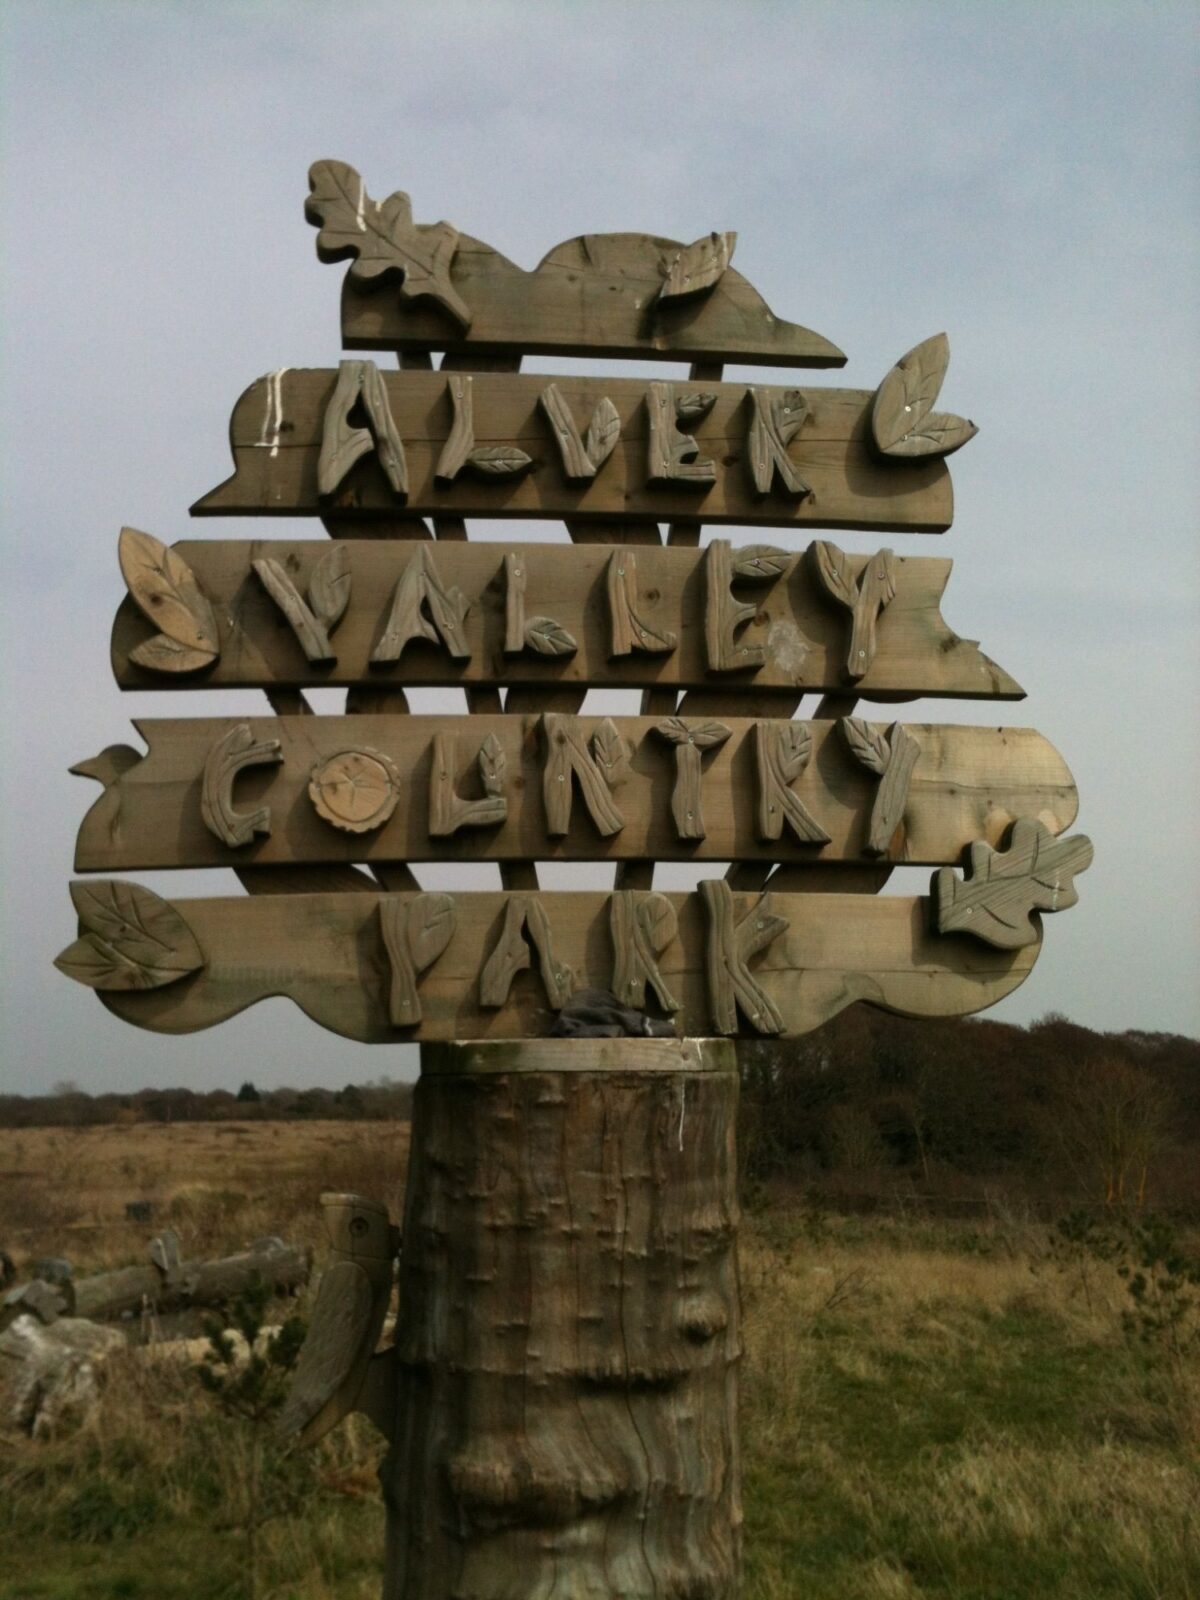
x=323 y=818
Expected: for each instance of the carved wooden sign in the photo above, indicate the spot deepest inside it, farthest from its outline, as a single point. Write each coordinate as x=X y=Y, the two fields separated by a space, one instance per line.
x=722 y=636
x=306 y=443
x=415 y=788
x=379 y=967
x=675 y=618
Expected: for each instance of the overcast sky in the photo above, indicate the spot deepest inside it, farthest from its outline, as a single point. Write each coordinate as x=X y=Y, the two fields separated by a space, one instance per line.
x=1023 y=177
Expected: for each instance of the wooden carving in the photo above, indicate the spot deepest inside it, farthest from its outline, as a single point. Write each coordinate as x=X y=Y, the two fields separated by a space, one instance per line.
x=689 y=739
x=778 y=415
x=460 y=449
x=892 y=757
x=416 y=930
x=328 y=597
x=355 y=790
x=423 y=607
x=473 y=446
x=448 y=812
x=164 y=589
x=597 y=770
x=993 y=901
x=723 y=615
x=235 y=750
x=731 y=943
x=581 y=458
x=542 y=635
x=781 y=752
x=643 y=924
x=131 y=939
x=674 y=456
x=698 y=266
x=629 y=630
x=382 y=238
x=864 y=599
x=903 y=422
x=359 y=387
x=525 y=915
x=798 y=630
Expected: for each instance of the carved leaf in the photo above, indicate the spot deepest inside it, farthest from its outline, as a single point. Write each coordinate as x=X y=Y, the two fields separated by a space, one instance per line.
x=382 y=236
x=161 y=654
x=431 y=920
x=499 y=460
x=549 y=638
x=707 y=735
x=795 y=747
x=133 y=940
x=698 y=265
x=760 y=562
x=900 y=418
x=492 y=764
x=939 y=435
x=329 y=586
x=905 y=397
x=834 y=570
x=869 y=745
x=165 y=590
x=611 y=752
x=603 y=432
x=674 y=729
x=692 y=407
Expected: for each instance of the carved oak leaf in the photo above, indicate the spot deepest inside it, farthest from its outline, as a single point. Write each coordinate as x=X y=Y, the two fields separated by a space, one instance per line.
x=1035 y=871
x=165 y=590
x=132 y=939
x=382 y=236
x=499 y=460
x=903 y=420
x=549 y=638
x=698 y=266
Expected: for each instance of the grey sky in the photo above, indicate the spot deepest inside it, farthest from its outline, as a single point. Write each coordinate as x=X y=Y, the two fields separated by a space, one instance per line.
x=1024 y=177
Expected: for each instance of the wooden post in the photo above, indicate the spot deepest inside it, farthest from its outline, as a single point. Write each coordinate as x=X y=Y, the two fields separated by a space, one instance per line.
x=568 y=1339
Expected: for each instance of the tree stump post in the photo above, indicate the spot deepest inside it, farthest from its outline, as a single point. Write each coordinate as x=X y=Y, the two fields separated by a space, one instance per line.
x=568 y=1337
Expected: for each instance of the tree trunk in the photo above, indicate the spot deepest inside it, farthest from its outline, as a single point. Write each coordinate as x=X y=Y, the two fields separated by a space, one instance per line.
x=569 y=1335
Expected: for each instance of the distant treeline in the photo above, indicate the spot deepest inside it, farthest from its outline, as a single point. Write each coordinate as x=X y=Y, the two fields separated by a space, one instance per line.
x=876 y=1108
x=70 y=1107
x=872 y=1108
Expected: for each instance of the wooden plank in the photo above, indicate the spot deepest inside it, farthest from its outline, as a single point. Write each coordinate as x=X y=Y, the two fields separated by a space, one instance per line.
x=802 y=634
x=493 y=787
x=609 y=294
x=326 y=953
x=483 y=446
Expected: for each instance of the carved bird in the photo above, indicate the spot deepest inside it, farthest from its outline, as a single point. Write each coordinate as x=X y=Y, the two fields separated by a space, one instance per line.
x=598 y=1014
x=332 y=1373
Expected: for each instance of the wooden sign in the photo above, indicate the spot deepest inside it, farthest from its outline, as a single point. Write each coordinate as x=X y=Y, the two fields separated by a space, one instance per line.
x=437 y=966
x=358 y=442
x=508 y=788
x=427 y=287
x=209 y=613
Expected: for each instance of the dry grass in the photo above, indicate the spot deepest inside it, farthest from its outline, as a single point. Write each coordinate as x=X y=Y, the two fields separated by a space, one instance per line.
x=930 y=1412
x=63 y=1191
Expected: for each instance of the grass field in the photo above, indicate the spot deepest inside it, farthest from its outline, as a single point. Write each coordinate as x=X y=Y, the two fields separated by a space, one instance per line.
x=929 y=1410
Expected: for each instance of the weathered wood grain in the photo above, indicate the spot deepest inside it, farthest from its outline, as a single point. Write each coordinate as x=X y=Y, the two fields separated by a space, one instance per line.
x=438 y=614
x=326 y=953
x=968 y=783
x=520 y=473
x=606 y=294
